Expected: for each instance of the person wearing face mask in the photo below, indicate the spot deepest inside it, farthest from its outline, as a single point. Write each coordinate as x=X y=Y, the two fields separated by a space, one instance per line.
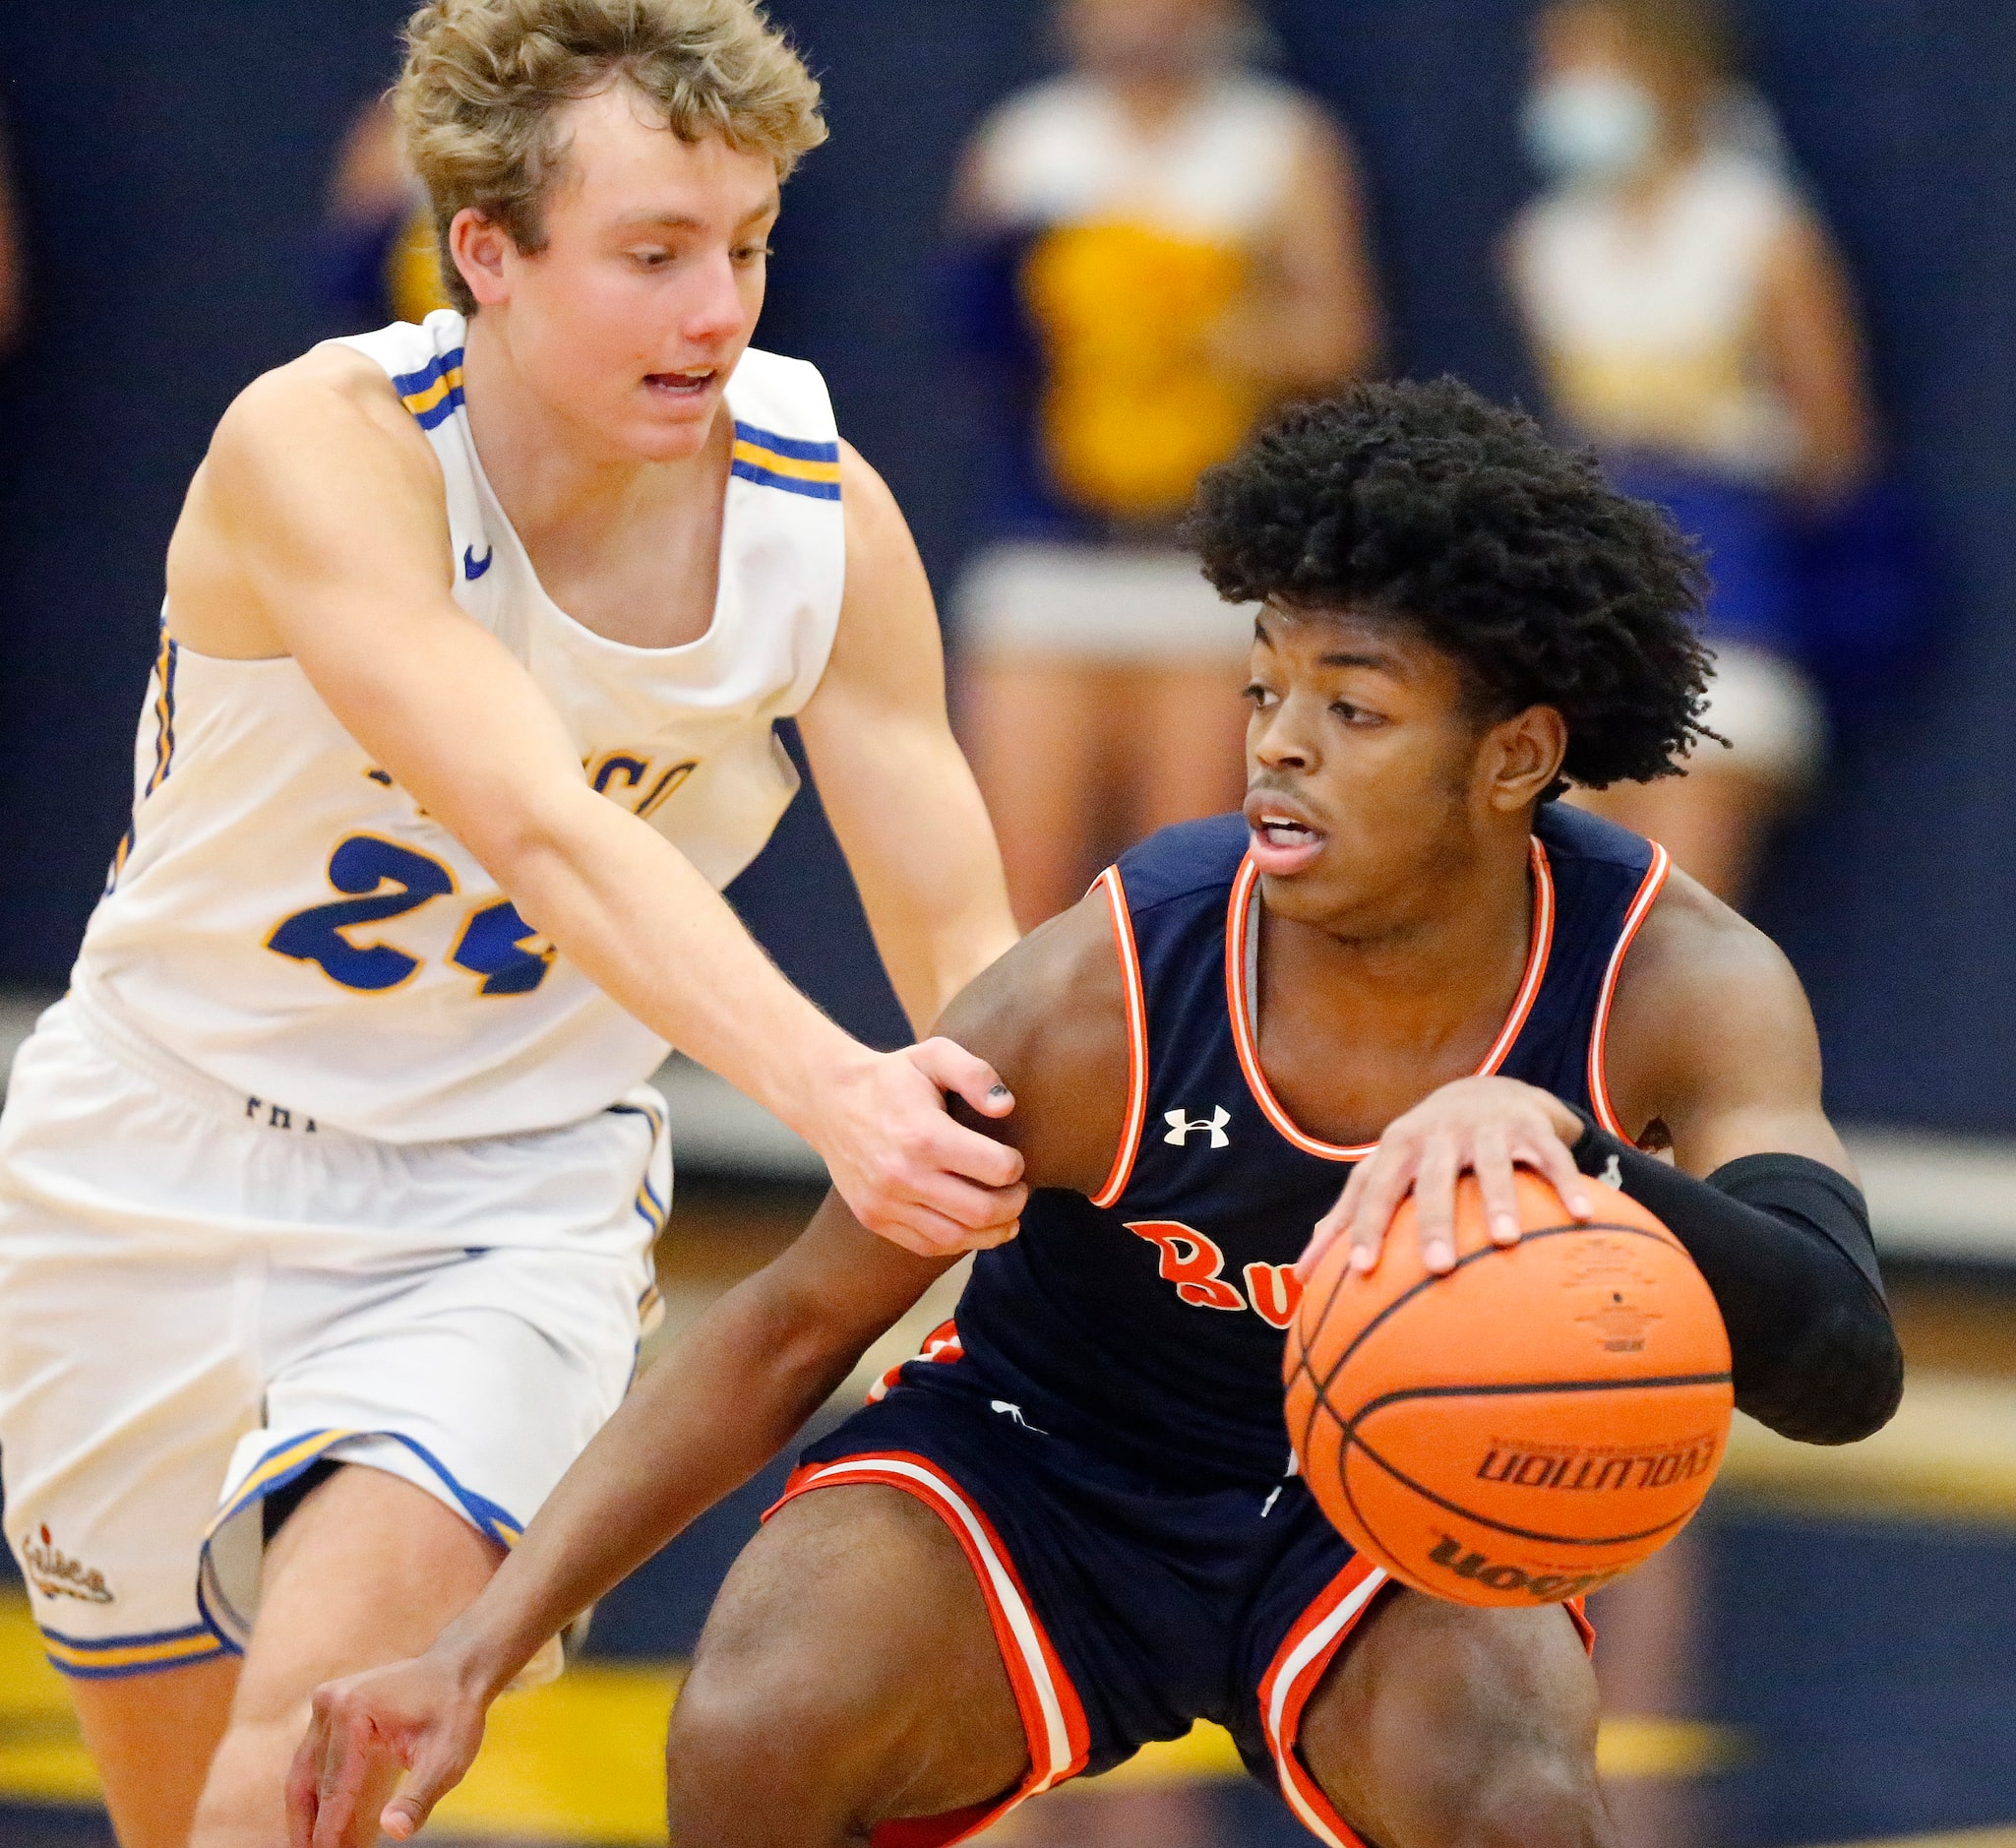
x=1692 y=321
x=1152 y=249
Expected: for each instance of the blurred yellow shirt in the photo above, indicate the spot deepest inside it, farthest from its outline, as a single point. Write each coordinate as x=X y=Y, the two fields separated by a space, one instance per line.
x=1142 y=249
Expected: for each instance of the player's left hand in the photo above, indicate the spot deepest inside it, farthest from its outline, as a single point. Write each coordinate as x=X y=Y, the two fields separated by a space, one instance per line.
x=420 y=1716
x=1481 y=1125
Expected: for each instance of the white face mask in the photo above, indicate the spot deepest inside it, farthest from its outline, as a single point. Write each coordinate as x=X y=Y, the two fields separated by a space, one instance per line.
x=1592 y=129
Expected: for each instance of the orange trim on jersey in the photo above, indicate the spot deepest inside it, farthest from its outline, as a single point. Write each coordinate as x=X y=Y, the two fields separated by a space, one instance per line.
x=940 y=1344
x=1291 y=1678
x=1237 y=936
x=1137 y=1041
x=1649 y=888
x=1053 y=1716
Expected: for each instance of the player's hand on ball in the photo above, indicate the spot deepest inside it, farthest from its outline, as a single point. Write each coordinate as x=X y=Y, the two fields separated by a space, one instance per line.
x=909 y=1172
x=418 y=1715
x=1482 y=1126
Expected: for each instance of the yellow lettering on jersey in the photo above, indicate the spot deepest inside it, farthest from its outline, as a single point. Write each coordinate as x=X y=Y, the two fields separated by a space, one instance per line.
x=621 y=774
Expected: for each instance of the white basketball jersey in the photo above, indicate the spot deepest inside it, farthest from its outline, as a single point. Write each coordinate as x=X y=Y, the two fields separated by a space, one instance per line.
x=1067 y=151
x=284 y=918
x=1649 y=322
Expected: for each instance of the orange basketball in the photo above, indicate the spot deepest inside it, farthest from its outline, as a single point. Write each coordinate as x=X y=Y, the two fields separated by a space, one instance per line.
x=1527 y=1428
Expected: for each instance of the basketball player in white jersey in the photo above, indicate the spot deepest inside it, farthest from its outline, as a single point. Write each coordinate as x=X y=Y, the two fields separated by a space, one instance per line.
x=328 y=1195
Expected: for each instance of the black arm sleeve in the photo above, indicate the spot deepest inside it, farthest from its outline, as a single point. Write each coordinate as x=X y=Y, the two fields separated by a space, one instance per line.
x=1785 y=1247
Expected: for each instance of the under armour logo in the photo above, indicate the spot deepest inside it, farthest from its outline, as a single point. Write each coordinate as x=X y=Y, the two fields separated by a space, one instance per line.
x=1612 y=1173
x=1180 y=1127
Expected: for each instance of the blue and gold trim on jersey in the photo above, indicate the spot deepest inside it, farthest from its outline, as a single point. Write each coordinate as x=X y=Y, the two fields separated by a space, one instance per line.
x=110 y=1659
x=787 y=463
x=434 y=393
x=653 y=1210
x=164 y=746
x=165 y=711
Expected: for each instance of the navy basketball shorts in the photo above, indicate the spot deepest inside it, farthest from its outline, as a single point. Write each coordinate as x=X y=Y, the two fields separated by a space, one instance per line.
x=1125 y=1610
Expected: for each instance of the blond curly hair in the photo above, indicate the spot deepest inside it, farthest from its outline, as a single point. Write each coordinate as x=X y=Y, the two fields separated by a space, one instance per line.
x=484 y=79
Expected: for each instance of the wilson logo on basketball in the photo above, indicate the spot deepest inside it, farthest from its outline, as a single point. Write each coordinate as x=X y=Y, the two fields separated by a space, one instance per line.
x=1621 y=1324
x=1588 y=1471
x=1541 y=1587
x=55 y=1575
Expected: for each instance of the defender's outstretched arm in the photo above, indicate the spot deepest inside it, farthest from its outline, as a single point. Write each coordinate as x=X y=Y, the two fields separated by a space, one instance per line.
x=740 y=1383
x=317 y=523
x=739 y=1386
x=895 y=785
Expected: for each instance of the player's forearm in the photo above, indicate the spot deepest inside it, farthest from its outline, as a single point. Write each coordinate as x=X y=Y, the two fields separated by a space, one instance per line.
x=1784 y=1243
x=934 y=943
x=698 y=1424
x=922 y=849
x=631 y=912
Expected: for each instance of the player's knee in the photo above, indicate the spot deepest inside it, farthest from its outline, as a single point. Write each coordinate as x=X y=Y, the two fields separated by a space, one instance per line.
x=746 y=1727
x=241 y=1798
x=1539 y=1796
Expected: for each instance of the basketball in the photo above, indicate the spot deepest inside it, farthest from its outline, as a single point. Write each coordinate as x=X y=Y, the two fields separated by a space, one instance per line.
x=1527 y=1428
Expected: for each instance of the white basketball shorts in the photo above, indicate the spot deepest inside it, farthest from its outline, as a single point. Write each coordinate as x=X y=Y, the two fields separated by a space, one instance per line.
x=203 y=1296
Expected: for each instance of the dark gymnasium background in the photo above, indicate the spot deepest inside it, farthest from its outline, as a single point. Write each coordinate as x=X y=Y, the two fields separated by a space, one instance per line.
x=172 y=156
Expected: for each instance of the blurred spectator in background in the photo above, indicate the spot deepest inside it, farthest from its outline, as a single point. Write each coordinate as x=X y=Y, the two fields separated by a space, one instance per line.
x=1154 y=248
x=377 y=258
x=1691 y=320
x=13 y=284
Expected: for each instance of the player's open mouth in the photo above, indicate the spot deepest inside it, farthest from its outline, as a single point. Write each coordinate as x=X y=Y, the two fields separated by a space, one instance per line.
x=1282 y=843
x=678 y=385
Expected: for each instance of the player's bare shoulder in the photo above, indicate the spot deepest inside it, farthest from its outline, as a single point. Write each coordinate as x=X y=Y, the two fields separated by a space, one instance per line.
x=1704 y=1001
x=330 y=392
x=888 y=610
x=1050 y=1017
x=300 y=468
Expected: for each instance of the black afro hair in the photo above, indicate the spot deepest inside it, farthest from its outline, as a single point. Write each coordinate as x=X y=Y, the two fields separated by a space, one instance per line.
x=1431 y=504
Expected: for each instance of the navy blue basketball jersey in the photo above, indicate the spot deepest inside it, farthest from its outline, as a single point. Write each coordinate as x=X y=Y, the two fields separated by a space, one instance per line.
x=1148 y=1320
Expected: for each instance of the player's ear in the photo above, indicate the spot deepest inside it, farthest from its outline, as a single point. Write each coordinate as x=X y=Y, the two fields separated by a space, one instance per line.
x=1523 y=756
x=478 y=244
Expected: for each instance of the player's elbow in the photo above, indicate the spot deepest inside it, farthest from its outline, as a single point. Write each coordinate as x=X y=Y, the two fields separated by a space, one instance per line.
x=1839 y=1381
x=1815 y=1351
x=808 y=1343
x=817 y=1351
x=528 y=841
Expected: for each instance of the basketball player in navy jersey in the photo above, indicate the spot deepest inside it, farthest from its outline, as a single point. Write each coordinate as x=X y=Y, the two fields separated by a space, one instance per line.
x=1071 y=1528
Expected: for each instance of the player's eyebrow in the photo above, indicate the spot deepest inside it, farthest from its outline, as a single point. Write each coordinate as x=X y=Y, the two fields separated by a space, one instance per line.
x=659 y=221
x=1378 y=662
x=648 y=220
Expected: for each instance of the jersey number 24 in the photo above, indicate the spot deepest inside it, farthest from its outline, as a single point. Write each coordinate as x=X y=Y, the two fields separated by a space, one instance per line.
x=387 y=881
